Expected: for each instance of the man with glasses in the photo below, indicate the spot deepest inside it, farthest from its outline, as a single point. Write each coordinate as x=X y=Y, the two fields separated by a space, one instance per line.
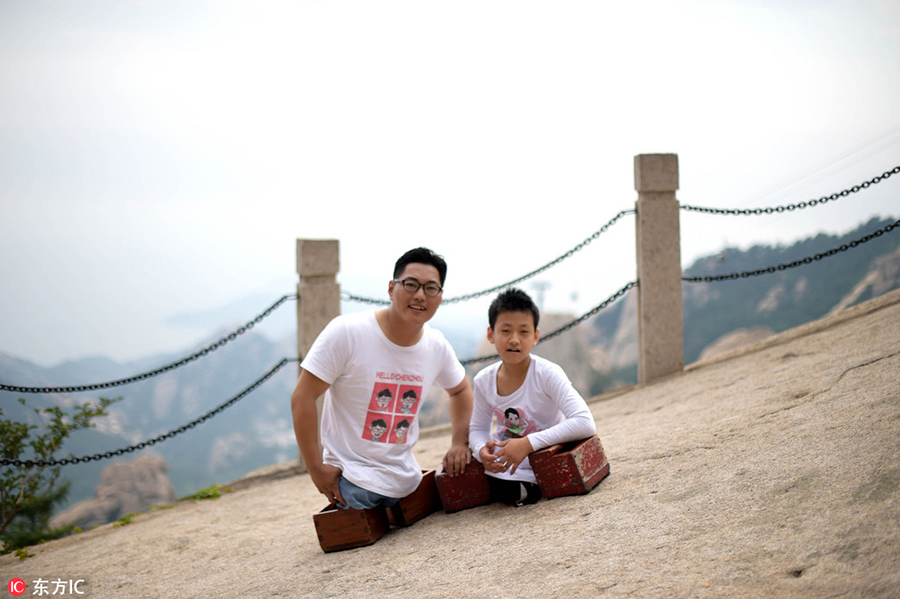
x=354 y=359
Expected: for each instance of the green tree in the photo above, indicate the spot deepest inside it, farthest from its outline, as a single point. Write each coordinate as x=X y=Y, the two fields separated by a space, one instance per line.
x=29 y=485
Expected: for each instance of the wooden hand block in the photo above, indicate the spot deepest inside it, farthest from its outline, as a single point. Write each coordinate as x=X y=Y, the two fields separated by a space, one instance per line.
x=345 y=529
x=422 y=502
x=469 y=489
x=572 y=468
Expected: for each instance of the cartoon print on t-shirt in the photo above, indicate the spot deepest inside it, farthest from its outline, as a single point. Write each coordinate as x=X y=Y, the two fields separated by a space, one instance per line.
x=383 y=397
x=376 y=429
x=392 y=412
x=409 y=399
x=512 y=423
x=398 y=435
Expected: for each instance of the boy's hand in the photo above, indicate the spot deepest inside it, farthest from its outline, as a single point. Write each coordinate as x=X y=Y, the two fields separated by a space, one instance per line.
x=492 y=461
x=514 y=453
x=457 y=459
x=505 y=455
x=326 y=477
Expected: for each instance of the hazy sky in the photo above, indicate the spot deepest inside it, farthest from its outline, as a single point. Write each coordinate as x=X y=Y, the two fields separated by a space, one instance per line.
x=162 y=157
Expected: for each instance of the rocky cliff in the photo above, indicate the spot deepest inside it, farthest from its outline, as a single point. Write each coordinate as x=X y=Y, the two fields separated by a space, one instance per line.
x=124 y=488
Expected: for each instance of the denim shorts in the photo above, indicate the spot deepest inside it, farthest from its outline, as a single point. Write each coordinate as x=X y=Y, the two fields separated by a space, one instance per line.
x=362 y=499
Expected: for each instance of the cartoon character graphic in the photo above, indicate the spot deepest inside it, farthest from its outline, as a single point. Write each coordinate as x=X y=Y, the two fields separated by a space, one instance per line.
x=513 y=424
x=383 y=400
x=377 y=428
x=408 y=402
x=400 y=431
x=391 y=412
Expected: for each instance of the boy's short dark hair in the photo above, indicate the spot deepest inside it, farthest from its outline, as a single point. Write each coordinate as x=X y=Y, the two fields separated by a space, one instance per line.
x=421 y=256
x=513 y=300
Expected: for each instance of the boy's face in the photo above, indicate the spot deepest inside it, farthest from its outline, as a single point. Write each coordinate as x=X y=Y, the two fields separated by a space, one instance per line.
x=514 y=335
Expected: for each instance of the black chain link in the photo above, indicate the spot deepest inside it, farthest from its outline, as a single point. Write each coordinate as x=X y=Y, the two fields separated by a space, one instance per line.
x=807 y=260
x=154 y=440
x=797 y=206
x=463 y=298
x=133 y=379
x=566 y=327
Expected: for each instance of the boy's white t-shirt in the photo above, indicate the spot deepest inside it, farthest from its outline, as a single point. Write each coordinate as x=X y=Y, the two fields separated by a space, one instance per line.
x=546 y=408
x=369 y=417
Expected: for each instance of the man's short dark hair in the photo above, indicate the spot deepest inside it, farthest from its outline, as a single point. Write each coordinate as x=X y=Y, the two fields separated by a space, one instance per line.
x=421 y=256
x=513 y=300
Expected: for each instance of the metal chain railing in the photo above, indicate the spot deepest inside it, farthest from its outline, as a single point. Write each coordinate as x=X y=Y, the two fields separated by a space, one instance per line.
x=533 y=273
x=807 y=260
x=154 y=440
x=557 y=332
x=139 y=377
x=797 y=206
x=566 y=327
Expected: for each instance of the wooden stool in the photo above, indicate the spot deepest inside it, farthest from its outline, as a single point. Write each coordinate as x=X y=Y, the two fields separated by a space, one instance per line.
x=572 y=468
x=422 y=502
x=345 y=529
x=469 y=489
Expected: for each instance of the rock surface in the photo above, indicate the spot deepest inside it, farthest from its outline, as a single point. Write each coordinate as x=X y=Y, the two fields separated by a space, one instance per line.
x=771 y=472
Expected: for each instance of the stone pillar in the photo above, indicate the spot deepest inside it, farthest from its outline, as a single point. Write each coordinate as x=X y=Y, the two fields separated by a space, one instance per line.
x=319 y=295
x=660 y=317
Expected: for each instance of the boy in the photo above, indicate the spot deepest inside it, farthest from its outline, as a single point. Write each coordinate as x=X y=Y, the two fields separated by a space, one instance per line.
x=532 y=399
x=361 y=362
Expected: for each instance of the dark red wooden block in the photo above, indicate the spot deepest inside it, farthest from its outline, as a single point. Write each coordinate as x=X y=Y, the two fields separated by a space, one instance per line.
x=422 y=502
x=345 y=529
x=570 y=468
x=469 y=489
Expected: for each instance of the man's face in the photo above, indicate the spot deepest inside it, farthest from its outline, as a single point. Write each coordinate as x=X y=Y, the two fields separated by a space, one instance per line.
x=407 y=402
x=401 y=432
x=415 y=308
x=383 y=401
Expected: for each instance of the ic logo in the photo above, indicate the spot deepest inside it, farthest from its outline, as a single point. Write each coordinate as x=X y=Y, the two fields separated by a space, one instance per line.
x=17 y=586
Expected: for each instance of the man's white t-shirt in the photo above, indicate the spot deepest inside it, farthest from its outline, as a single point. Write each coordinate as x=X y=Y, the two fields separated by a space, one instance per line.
x=369 y=418
x=546 y=408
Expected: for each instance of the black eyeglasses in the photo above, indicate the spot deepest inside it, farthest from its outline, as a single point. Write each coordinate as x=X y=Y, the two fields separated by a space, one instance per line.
x=412 y=286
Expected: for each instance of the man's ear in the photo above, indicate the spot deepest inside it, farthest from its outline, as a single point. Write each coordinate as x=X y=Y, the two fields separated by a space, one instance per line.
x=537 y=335
x=490 y=335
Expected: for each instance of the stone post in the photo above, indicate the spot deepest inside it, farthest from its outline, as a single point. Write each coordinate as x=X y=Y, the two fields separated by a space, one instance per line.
x=660 y=317
x=319 y=294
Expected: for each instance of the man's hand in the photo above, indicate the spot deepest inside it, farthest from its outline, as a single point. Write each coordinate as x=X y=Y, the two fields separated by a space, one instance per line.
x=460 y=414
x=457 y=459
x=326 y=478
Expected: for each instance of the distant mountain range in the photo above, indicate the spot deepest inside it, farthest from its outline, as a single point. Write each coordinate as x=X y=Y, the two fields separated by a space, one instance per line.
x=774 y=301
x=598 y=355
